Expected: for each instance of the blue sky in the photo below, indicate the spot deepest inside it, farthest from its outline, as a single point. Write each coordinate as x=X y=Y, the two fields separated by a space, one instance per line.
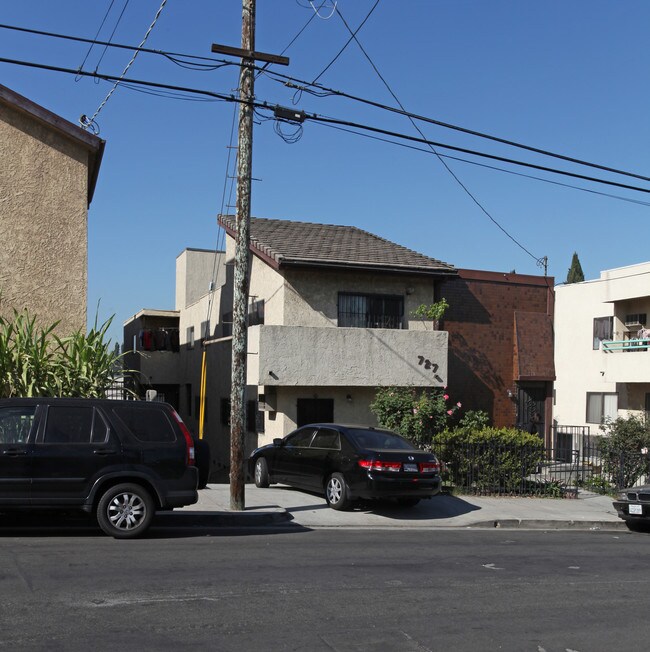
x=566 y=76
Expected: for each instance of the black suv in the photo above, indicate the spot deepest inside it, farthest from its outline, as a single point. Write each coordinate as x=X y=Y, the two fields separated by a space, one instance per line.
x=121 y=460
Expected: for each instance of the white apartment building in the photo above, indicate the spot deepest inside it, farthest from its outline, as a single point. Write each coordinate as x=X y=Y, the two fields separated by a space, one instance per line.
x=602 y=348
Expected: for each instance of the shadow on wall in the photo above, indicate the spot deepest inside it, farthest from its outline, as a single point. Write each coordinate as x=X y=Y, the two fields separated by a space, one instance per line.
x=471 y=373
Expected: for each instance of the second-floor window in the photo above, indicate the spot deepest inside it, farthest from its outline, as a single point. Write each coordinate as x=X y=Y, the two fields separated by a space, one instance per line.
x=370 y=310
x=603 y=330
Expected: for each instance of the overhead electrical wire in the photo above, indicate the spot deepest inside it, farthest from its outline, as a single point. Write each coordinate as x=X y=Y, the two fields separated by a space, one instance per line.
x=323 y=91
x=540 y=260
x=88 y=122
x=108 y=11
x=484 y=165
x=329 y=120
x=110 y=38
x=352 y=37
x=172 y=56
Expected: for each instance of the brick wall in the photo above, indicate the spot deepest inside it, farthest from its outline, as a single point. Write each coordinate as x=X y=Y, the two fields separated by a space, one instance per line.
x=480 y=323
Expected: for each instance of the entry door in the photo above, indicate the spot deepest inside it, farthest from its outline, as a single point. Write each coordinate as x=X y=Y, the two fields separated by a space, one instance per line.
x=315 y=410
x=530 y=408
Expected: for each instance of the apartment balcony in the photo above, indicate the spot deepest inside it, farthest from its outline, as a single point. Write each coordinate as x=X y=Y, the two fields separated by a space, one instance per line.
x=349 y=357
x=626 y=361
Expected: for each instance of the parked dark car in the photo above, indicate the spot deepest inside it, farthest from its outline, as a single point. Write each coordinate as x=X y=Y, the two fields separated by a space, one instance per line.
x=120 y=460
x=633 y=506
x=347 y=463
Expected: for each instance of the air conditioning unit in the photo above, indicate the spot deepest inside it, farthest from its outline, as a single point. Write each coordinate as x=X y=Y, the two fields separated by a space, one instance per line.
x=636 y=319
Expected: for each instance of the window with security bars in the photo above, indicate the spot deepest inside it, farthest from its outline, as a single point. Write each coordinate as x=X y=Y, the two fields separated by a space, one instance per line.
x=370 y=311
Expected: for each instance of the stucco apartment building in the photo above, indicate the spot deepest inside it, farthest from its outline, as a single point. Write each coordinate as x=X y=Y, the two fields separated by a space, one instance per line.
x=330 y=320
x=48 y=171
x=602 y=349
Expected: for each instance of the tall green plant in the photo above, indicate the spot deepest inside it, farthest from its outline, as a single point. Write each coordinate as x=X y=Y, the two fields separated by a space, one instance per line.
x=27 y=363
x=34 y=361
x=88 y=364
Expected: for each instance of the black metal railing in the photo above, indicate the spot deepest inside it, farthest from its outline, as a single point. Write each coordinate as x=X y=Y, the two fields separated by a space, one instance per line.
x=575 y=461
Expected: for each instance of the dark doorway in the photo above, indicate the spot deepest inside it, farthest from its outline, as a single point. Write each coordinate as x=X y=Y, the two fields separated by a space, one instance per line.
x=530 y=408
x=315 y=410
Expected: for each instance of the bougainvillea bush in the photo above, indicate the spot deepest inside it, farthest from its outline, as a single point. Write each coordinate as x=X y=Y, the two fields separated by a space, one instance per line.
x=417 y=414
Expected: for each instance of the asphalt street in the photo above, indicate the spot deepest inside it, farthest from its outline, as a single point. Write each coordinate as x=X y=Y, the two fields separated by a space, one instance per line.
x=348 y=590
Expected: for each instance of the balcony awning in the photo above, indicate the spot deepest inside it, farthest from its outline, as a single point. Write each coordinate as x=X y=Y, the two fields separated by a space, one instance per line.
x=533 y=355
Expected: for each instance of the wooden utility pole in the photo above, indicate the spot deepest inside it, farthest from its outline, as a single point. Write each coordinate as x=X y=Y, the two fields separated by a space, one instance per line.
x=242 y=254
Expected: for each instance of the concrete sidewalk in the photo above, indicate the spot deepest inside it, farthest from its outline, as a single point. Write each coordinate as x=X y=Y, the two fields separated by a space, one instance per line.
x=281 y=505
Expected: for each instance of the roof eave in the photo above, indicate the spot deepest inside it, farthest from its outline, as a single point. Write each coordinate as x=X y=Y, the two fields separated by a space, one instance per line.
x=369 y=267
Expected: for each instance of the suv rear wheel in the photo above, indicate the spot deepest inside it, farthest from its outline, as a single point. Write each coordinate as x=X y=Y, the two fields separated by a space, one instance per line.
x=125 y=511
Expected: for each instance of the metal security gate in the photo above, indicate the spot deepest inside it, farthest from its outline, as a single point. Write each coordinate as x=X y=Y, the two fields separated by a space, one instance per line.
x=530 y=408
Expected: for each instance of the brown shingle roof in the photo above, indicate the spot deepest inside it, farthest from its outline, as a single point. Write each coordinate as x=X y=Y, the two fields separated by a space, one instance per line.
x=284 y=243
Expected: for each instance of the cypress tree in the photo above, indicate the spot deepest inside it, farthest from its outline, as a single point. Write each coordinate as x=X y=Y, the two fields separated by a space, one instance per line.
x=575 y=274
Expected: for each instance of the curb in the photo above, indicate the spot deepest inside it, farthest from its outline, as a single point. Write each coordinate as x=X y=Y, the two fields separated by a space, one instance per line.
x=540 y=524
x=226 y=518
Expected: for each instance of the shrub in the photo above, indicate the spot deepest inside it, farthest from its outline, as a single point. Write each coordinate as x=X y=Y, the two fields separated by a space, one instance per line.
x=621 y=449
x=474 y=420
x=491 y=459
x=414 y=414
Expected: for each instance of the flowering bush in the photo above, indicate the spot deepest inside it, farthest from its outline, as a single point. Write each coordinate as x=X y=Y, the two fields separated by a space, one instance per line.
x=416 y=414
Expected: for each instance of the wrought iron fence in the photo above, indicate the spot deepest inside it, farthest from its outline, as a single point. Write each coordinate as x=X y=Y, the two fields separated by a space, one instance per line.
x=575 y=461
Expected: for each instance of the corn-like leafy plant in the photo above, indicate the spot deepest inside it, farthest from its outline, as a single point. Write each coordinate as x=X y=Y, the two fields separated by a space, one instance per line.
x=34 y=361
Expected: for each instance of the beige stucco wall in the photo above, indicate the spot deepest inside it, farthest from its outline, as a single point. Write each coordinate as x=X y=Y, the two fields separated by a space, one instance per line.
x=43 y=222
x=354 y=357
x=312 y=297
x=352 y=410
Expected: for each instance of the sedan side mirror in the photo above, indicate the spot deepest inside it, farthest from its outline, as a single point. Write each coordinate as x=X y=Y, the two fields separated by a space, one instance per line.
x=277 y=441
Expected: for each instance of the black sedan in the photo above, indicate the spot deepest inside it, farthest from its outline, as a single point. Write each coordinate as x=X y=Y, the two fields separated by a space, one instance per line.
x=633 y=506
x=348 y=463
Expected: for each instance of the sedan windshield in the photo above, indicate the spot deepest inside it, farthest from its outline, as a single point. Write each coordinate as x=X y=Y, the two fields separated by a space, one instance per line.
x=379 y=439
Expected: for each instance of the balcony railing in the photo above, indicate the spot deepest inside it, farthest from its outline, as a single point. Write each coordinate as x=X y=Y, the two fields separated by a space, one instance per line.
x=626 y=345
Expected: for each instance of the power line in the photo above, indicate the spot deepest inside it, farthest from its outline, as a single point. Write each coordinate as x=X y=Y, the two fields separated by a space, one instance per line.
x=303 y=85
x=87 y=122
x=467 y=191
x=318 y=118
x=108 y=11
x=293 y=40
x=484 y=165
x=80 y=39
x=99 y=75
x=425 y=141
x=353 y=36
x=110 y=38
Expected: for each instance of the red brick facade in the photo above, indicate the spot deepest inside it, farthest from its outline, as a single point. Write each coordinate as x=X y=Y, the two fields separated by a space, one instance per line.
x=486 y=346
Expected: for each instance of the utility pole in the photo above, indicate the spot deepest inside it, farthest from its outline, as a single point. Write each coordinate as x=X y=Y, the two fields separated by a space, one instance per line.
x=242 y=254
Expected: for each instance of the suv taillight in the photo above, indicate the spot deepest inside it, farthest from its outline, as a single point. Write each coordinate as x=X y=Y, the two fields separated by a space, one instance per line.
x=189 y=442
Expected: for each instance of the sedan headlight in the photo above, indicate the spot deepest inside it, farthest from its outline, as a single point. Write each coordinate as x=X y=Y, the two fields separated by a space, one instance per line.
x=621 y=495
